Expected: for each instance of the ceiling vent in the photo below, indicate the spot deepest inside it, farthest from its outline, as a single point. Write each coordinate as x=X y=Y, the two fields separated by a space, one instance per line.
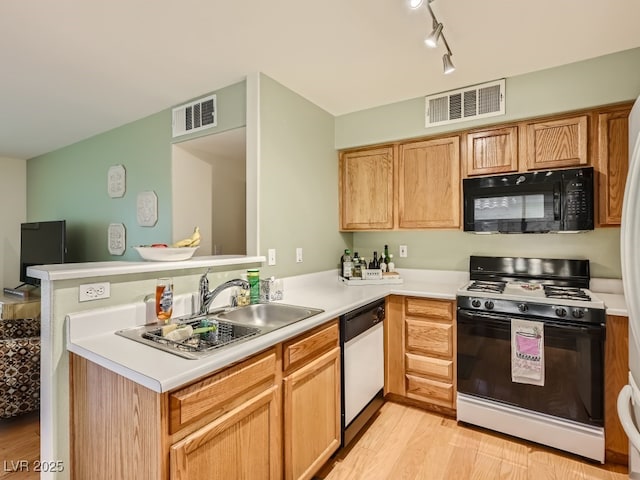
x=195 y=116
x=477 y=101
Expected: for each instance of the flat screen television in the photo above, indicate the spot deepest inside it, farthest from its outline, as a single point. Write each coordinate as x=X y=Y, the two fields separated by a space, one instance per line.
x=41 y=243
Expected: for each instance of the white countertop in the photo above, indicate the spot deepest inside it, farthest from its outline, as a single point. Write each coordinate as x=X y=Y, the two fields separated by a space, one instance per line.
x=68 y=271
x=91 y=334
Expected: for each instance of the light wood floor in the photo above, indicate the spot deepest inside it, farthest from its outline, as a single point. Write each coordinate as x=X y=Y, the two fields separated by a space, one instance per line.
x=19 y=447
x=401 y=443
x=409 y=443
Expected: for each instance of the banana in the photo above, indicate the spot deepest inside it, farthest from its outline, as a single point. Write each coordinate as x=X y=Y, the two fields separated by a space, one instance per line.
x=192 y=241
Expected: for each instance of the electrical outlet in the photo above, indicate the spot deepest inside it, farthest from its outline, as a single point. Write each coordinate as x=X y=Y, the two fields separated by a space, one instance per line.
x=403 y=251
x=271 y=253
x=299 y=255
x=94 y=291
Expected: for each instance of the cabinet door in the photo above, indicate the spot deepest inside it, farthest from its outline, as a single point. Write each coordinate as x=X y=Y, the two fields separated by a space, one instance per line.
x=492 y=151
x=244 y=443
x=616 y=370
x=556 y=143
x=612 y=164
x=311 y=416
x=429 y=184
x=366 y=189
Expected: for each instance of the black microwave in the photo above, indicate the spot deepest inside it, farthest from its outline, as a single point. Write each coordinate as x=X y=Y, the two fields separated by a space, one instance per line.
x=532 y=202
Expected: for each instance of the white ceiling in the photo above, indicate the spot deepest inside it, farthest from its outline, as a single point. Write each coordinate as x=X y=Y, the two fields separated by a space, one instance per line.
x=70 y=69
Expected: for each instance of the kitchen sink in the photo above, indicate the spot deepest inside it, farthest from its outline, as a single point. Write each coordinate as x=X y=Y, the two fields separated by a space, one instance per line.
x=196 y=346
x=268 y=316
x=233 y=326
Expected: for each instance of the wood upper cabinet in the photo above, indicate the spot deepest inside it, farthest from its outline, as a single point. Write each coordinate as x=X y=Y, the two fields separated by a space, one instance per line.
x=366 y=189
x=311 y=401
x=611 y=163
x=429 y=184
x=555 y=143
x=492 y=151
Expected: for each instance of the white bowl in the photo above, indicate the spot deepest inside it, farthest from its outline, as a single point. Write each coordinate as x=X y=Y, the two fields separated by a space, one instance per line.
x=166 y=254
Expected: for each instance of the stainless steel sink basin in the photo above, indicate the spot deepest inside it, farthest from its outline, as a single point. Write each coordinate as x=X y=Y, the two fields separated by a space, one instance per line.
x=233 y=326
x=268 y=316
x=196 y=346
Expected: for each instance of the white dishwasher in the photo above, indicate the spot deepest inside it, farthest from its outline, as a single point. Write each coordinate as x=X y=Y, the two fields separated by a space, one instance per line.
x=361 y=338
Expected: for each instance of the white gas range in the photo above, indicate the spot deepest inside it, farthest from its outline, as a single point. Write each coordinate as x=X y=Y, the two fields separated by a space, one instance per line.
x=530 y=352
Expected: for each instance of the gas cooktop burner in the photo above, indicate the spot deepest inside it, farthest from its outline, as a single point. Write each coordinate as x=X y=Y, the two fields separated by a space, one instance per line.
x=569 y=293
x=486 y=286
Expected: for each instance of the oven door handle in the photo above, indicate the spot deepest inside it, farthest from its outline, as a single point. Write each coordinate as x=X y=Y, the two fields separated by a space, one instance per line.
x=585 y=328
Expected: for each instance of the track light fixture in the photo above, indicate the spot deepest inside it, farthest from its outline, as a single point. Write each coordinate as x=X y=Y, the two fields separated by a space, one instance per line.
x=437 y=34
x=447 y=64
x=432 y=39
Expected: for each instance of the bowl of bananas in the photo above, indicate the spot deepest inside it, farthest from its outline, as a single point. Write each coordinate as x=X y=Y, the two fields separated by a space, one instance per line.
x=180 y=250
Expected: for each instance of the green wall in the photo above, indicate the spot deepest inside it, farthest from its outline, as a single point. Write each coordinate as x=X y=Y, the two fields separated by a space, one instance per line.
x=298 y=182
x=600 y=81
x=71 y=183
x=298 y=174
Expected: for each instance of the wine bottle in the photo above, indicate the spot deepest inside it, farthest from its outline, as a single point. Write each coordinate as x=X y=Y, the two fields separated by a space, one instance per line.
x=375 y=263
x=347 y=264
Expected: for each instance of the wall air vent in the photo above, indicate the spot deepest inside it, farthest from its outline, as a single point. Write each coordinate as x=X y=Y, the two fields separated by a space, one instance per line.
x=477 y=101
x=195 y=116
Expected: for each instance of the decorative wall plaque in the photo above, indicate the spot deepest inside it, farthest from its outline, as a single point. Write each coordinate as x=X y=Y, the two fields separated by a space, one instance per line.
x=116 y=181
x=147 y=209
x=116 y=238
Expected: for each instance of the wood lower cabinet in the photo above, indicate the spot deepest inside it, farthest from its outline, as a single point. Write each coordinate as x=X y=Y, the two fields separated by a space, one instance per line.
x=227 y=425
x=612 y=162
x=429 y=184
x=311 y=402
x=616 y=372
x=420 y=351
x=241 y=444
x=366 y=189
x=234 y=423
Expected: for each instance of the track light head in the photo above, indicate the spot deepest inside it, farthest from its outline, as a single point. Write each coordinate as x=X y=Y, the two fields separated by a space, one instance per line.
x=413 y=4
x=432 y=40
x=447 y=64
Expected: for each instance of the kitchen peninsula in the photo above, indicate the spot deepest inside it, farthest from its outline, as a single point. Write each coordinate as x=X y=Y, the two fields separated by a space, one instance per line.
x=160 y=372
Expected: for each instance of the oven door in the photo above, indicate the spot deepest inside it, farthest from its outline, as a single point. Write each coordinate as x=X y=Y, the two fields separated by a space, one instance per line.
x=574 y=364
x=507 y=207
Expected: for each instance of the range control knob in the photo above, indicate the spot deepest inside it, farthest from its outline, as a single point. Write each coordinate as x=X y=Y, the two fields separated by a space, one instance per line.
x=488 y=305
x=523 y=307
x=476 y=303
x=561 y=312
x=577 y=313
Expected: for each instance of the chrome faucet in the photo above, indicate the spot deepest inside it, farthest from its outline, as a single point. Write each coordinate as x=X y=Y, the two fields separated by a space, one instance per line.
x=207 y=296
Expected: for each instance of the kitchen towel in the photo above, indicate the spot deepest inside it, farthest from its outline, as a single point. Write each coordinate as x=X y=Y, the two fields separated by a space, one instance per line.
x=527 y=352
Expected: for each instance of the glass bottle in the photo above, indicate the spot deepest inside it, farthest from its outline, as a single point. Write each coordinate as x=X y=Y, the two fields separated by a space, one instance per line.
x=357 y=268
x=347 y=264
x=164 y=299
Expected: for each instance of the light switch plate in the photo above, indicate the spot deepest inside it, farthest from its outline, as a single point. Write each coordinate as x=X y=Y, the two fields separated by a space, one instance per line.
x=299 y=255
x=403 y=251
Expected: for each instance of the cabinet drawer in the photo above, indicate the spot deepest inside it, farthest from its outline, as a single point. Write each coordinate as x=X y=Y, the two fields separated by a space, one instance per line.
x=432 y=367
x=424 y=307
x=438 y=393
x=432 y=338
x=304 y=348
x=223 y=391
